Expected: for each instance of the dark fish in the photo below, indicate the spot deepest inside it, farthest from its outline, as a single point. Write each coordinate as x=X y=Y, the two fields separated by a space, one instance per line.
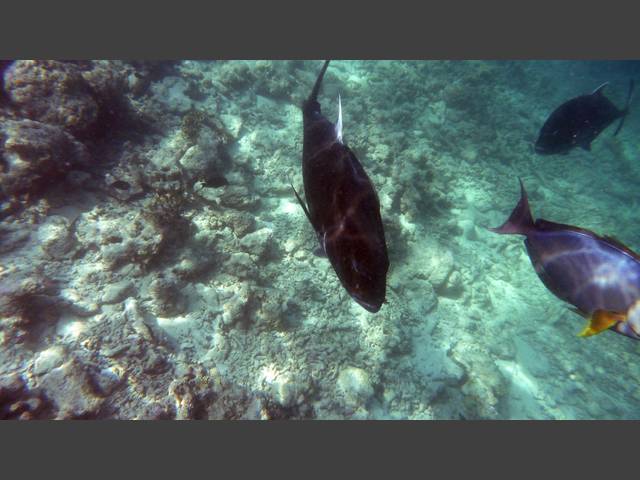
x=215 y=180
x=578 y=121
x=343 y=206
x=599 y=276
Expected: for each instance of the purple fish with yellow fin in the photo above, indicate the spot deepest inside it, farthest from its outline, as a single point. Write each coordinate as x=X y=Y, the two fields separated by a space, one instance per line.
x=599 y=276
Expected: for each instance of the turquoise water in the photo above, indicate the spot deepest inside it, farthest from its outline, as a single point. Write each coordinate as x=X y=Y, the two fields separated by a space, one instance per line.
x=163 y=268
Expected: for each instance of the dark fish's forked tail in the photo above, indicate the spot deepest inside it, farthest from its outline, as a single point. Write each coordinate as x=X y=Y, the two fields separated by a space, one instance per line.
x=313 y=97
x=520 y=221
x=625 y=112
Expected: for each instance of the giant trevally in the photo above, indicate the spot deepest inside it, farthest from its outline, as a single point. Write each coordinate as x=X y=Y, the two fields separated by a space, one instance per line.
x=577 y=122
x=342 y=205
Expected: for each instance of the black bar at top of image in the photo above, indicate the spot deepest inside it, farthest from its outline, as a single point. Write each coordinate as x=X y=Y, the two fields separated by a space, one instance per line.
x=278 y=29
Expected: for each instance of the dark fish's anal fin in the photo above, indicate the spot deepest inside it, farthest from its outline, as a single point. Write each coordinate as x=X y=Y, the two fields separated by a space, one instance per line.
x=304 y=207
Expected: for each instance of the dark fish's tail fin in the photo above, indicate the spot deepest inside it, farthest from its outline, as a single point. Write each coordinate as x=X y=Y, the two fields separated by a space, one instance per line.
x=520 y=221
x=625 y=112
x=313 y=97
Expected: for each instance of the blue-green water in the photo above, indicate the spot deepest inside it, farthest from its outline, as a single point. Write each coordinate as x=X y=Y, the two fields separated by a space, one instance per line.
x=154 y=262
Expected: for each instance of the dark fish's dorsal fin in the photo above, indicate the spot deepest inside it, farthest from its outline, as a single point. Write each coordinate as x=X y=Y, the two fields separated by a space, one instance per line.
x=313 y=96
x=614 y=241
x=520 y=221
x=547 y=226
x=625 y=112
x=598 y=91
x=304 y=207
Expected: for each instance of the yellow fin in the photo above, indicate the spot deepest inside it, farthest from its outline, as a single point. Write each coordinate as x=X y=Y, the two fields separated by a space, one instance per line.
x=600 y=321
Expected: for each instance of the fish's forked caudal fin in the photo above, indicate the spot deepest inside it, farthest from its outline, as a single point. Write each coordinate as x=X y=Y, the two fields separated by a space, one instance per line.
x=520 y=221
x=313 y=96
x=600 y=321
x=625 y=112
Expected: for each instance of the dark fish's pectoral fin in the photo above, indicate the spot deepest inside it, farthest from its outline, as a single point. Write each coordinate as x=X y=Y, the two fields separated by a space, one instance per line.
x=302 y=204
x=586 y=146
x=600 y=321
x=320 y=250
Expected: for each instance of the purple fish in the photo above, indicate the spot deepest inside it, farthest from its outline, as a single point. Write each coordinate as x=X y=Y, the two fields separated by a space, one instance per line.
x=599 y=276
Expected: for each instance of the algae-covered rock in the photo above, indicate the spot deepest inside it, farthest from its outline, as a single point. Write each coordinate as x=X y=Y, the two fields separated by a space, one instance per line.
x=52 y=92
x=134 y=240
x=48 y=359
x=117 y=292
x=355 y=385
x=68 y=386
x=36 y=154
x=55 y=237
x=19 y=402
x=168 y=297
x=257 y=243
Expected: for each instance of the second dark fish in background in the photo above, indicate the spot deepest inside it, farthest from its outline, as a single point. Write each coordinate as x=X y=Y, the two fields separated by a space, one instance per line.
x=577 y=122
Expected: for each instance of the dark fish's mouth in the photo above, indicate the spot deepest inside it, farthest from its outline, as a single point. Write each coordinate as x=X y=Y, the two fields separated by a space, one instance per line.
x=371 y=307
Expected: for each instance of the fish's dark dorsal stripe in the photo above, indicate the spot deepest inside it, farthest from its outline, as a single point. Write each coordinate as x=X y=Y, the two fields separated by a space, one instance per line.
x=547 y=226
x=620 y=246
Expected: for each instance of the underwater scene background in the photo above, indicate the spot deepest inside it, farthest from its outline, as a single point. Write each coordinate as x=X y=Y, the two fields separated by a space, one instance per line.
x=154 y=261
